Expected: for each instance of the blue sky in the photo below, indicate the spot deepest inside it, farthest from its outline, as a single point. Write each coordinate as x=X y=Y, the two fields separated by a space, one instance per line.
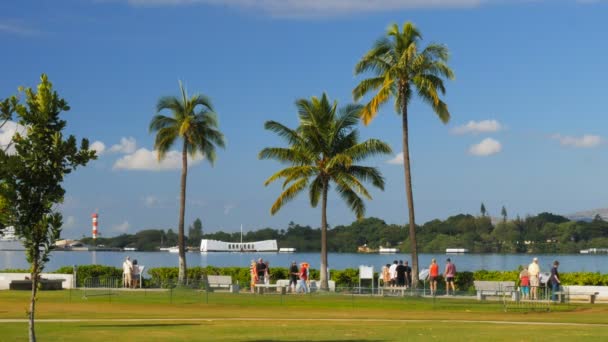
x=528 y=126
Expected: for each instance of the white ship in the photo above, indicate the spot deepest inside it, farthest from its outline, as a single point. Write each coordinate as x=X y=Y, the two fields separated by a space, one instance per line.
x=9 y=241
x=388 y=250
x=456 y=250
x=221 y=246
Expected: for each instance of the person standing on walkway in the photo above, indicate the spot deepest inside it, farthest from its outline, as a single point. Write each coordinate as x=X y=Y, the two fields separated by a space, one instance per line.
x=449 y=274
x=303 y=286
x=554 y=280
x=253 y=271
x=261 y=268
x=401 y=274
x=433 y=275
x=386 y=276
x=127 y=270
x=534 y=273
x=293 y=276
x=524 y=283
x=392 y=271
x=267 y=272
x=408 y=274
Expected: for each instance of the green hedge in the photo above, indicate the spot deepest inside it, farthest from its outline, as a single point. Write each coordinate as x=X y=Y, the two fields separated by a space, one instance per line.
x=344 y=278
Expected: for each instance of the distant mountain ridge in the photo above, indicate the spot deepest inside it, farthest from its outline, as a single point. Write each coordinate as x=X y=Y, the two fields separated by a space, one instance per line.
x=588 y=215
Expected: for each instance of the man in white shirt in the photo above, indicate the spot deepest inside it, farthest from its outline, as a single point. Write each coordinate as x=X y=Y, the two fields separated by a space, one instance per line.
x=392 y=271
x=127 y=270
x=534 y=273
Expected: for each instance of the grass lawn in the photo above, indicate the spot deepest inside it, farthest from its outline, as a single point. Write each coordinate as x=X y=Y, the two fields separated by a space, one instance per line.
x=189 y=315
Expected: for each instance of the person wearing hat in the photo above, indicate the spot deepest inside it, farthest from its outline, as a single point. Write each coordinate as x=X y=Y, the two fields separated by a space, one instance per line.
x=449 y=274
x=533 y=273
x=127 y=269
x=293 y=276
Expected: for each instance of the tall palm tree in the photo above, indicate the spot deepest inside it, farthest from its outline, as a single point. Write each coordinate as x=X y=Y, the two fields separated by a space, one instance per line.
x=323 y=149
x=194 y=123
x=401 y=69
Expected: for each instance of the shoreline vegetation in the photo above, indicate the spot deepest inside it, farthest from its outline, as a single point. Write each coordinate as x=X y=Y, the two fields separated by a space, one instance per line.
x=349 y=277
x=540 y=234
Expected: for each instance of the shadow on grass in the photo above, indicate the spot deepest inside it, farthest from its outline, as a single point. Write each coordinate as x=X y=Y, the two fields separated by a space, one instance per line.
x=126 y=325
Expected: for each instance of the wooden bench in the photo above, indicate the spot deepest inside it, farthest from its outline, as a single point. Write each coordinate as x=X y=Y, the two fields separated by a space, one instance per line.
x=494 y=288
x=45 y=284
x=222 y=282
x=260 y=288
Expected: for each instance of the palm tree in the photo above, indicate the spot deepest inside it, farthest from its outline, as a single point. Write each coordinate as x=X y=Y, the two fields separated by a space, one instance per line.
x=323 y=149
x=194 y=122
x=402 y=70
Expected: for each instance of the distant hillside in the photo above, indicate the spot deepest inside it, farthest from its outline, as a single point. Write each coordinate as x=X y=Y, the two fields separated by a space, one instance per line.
x=589 y=215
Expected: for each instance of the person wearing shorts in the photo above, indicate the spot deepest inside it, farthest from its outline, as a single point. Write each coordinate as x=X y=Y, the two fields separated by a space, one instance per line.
x=433 y=275
x=534 y=273
x=449 y=273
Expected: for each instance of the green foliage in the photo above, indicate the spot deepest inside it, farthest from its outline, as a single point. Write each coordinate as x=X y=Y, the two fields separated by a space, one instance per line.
x=195 y=233
x=14 y=270
x=324 y=151
x=96 y=271
x=194 y=123
x=31 y=177
x=464 y=231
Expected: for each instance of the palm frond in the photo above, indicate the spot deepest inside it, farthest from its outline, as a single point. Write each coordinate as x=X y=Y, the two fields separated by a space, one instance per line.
x=368 y=148
x=283 y=131
x=288 y=194
x=354 y=202
x=291 y=173
x=368 y=174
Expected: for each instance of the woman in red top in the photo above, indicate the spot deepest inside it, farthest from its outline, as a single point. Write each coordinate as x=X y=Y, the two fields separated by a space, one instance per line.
x=433 y=275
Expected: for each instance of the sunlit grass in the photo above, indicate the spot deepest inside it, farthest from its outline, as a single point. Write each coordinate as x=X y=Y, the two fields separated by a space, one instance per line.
x=193 y=315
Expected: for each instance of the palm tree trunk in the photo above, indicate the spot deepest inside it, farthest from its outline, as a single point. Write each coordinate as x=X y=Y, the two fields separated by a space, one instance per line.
x=323 y=277
x=182 y=212
x=32 y=310
x=410 y=196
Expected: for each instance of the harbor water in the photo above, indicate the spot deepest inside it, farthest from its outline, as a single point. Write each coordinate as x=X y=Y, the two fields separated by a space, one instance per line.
x=338 y=261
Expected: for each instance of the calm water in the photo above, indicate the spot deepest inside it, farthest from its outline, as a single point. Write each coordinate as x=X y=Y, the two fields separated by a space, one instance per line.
x=464 y=262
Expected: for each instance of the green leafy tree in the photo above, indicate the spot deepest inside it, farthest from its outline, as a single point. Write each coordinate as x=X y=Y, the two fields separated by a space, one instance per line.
x=194 y=123
x=324 y=149
x=195 y=233
x=483 y=210
x=503 y=212
x=401 y=70
x=32 y=177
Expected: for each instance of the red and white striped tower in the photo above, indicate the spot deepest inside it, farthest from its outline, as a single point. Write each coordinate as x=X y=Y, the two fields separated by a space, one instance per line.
x=95 y=216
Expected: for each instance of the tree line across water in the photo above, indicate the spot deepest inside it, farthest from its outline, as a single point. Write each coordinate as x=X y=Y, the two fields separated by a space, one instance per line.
x=543 y=233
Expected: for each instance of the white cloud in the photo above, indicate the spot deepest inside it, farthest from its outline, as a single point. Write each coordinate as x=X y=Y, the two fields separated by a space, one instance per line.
x=122 y=227
x=12 y=27
x=151 y=201
x=127 y=145
x=486 y=147
x=69 y=223
x=98 y=147
x=475 y=127
x=144 y=159
x=397 y=160
x=318 y=8
x=228 y=208
x=7 y=131
x=585 y=141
